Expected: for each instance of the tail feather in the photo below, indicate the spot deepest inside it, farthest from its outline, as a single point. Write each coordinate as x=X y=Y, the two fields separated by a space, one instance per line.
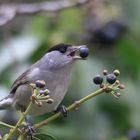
x=6 y=102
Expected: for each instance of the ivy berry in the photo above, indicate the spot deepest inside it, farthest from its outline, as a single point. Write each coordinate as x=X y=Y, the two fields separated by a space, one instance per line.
x=84 y=52
x=111 y=78
x=116 y=72
x=98 y=80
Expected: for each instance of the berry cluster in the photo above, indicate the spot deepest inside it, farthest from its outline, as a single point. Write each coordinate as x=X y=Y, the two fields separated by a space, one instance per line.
x=40 y=94
x=109 y=82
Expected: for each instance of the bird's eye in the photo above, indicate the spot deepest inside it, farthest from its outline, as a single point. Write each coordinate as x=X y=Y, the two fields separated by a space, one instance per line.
x=63 y=49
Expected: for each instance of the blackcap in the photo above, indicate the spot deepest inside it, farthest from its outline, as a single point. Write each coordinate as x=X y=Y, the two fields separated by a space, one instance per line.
x=55 y=69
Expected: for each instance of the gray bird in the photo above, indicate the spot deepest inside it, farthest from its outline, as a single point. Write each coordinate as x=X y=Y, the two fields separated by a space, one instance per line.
x=55 y=69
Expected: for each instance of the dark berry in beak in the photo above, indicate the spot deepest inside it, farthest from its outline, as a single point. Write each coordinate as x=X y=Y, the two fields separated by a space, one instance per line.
x=84 y=52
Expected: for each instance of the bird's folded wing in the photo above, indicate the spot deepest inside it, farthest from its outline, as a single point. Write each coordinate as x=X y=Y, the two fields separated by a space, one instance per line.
x=22 y=79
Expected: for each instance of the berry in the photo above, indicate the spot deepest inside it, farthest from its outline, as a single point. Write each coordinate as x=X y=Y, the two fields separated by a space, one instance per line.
x=98 y=80
x=50 y=101
x=105 y=72
x=118 y=94
x=133 y=135
x=111 y=78
x=121 y=86
x=116 y=72
x=40 y=84
x=39 y=104
x=44 y=92
x=109 y=33
x=84 y=52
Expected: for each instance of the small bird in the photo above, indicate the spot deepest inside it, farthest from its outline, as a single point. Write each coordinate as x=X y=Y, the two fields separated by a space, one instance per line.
x=55 y=69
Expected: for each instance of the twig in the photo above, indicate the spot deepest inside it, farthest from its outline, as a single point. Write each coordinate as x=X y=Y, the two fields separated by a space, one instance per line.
x=107 y=88
x=22 y=118
x=13 y=130
x=10 y=11
x=69 y=108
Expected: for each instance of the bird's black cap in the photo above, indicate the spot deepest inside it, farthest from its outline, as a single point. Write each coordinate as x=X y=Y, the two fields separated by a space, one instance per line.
x=60 y=47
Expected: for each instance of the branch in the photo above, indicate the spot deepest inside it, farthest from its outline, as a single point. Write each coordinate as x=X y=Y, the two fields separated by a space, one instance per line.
x=10 y=11
x=13 y=130
x=73 y=106
x=112 y=85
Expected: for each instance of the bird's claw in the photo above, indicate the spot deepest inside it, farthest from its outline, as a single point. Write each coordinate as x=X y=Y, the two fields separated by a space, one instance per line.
x=63 y=110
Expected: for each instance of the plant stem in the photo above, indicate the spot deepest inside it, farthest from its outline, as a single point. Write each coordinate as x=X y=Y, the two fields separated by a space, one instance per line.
x=13 y=130
x=53 y=117
x=71 y=107
x=7 y=125
x=22 y=137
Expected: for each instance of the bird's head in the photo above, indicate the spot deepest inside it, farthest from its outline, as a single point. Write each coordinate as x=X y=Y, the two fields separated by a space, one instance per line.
x=64 y=54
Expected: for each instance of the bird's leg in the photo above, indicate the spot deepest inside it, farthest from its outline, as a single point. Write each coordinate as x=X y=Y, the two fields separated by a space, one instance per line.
x=63 y=110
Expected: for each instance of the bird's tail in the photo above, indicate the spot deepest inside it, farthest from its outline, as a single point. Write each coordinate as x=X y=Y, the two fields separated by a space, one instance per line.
x=6 y=102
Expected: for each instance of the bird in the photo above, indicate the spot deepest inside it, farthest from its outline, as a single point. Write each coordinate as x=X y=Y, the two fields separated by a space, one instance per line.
x=55 y=68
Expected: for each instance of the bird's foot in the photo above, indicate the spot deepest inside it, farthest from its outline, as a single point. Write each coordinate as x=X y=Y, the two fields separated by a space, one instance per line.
x=63 y=110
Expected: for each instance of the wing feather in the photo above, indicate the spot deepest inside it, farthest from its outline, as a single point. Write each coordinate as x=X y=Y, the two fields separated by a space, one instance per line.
x=22 y=79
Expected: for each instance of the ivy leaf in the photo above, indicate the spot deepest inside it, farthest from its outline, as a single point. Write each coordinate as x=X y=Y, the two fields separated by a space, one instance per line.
x=40 y=136
x=35 y=138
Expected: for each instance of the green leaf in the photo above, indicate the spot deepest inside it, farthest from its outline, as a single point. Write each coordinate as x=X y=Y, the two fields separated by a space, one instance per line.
x=5 y=125
x=40 y=136
x=35 y=138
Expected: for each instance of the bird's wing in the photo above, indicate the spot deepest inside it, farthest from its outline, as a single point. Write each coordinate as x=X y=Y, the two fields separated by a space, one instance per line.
x=22 y=79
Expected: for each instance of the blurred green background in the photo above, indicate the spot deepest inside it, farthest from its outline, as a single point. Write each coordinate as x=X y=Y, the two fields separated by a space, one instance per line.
x=111 y=30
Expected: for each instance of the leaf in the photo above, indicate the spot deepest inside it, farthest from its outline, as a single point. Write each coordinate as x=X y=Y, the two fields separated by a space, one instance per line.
x=5 y=125
x=40 y=136
x=35 y=138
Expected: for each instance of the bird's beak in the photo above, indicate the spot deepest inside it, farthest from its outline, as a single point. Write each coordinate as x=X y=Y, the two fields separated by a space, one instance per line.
x=75 y=51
